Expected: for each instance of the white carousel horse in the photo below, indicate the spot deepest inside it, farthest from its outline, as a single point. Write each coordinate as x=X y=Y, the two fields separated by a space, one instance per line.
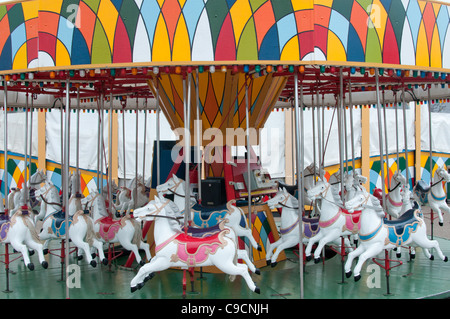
x=200 y=232
x=139 y=196
x=18 y=230
x=434 y=195
x=334 y=221
x=54 y=222
x=123 y=197
x=76 y=211
x=289 y=230
x=176 y=249
x=309 y=177
x=233 y=214
x=16 y=195
x=290 y=233
x=126 y=230
x=377 y=234
x=394 y=200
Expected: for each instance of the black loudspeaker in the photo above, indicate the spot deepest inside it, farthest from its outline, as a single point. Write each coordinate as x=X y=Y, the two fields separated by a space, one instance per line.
x=213 y=191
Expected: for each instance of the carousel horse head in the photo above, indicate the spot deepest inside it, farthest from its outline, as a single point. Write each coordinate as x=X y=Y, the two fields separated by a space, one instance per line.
x=158 y=207
x=318 y=191
x=362 y=200
x=359 y=180
x=95 y=201
x=399 y=178
x=281 y=198
x=37 y=178
x=442 y=173
x=170 y=186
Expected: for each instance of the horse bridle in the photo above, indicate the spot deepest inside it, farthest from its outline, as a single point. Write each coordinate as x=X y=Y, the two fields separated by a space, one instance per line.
x=159 y=209
x=172 y=190
x=283 y=203
x=45 y=201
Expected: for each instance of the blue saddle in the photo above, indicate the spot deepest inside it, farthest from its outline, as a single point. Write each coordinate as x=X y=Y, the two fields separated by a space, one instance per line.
x=401 y=229
x=421 y=190
x=59 y=223
x=205 y=216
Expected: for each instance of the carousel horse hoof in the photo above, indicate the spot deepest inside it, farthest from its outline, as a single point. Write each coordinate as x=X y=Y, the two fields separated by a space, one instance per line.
x=268 y=262
x=412 y=256
x=317 y=260
x=357 y=278
x=105 y=261
x=31 y=252
x=257 y=290
x=259 y=248
x=140 y=285
x=258 y=272
x=441 y=224
x=93 y=255
x=93 y=263
x=80 y=257
x=44 y=264
x=147 y=278
x=431 y=257
x=273 y=264
x=308 y=258
x=45 y=251
x=133 y=289
x=398 y=255
x=348 y=274
x=445 y=259
x=142 y=263
x=30 y=266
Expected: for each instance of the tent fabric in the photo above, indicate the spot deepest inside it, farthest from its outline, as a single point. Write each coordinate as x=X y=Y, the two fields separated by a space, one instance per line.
x=272 y=151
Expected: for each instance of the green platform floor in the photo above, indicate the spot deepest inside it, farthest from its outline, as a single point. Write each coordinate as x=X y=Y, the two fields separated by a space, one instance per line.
x=420 y=278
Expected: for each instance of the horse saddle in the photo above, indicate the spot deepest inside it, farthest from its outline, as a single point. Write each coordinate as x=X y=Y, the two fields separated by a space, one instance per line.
x=311 y=226
x=421 y=190
x=352 y=220
x=58 y=226
x=400 y=229
x=108 y=227
x=193 y=250
x=4 y=226
x=204 y=232
x=203 y=215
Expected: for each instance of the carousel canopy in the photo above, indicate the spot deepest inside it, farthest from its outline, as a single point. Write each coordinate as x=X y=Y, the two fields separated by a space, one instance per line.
x=133 y=51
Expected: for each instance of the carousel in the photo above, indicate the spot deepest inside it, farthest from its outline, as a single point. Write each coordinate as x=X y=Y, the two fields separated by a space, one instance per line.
x=210 y=222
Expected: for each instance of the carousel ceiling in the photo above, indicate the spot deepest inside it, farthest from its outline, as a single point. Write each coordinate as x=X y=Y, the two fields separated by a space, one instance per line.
x=134 y=50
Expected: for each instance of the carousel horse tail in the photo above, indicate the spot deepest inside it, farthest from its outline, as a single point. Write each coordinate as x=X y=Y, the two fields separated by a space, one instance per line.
x=28 y=223
x=90 y=234
x=137 y=236
x=235 y=260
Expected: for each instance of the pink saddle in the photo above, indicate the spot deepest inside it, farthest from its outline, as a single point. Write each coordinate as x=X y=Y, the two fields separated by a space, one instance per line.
x=194 y=250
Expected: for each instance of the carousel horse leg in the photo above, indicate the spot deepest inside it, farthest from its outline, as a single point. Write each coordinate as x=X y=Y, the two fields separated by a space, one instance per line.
x=37 y=247
x=99 y=246
x=85 y=248
x=228 y=267
x=24 y=251
x=311 y=243
x=446 y=209
x=436 y=208
x=246 y=232
x=370 y=252
x=420 y=239
x=290 y=242
x=330 y=236
x=242 y=254
x=270 y=250
x=146 y=247
x=132 y=247
x=156 y=264
x=351 y=256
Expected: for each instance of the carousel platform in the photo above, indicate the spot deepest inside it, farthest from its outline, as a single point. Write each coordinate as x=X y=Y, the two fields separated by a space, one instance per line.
x=419 y=278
